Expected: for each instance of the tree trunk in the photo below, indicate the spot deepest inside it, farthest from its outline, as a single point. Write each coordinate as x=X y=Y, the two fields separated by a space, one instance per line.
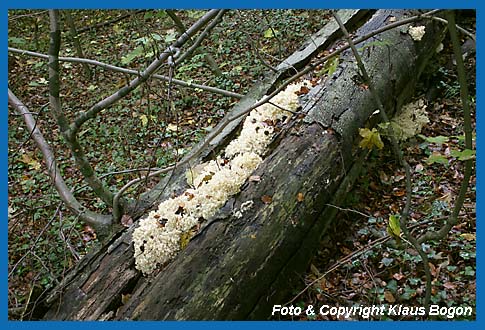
x=238 y=268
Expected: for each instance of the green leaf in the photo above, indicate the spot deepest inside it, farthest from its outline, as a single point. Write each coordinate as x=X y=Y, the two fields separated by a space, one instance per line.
x=469 y=271
x=132 y=55
x=170 y=36
x=329 y=67
x=370 y=138
x=270 y=33
x=466 y=154
x=387 y=261
x=394 y=227
x=156 y=37
x=434 y=139
x=17 y=41
x=436 y=157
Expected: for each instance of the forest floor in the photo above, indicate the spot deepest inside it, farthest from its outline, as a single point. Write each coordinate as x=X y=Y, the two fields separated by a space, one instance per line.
x=45 y=240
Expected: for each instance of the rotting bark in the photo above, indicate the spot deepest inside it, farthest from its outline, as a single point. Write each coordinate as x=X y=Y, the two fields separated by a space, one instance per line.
x=238 y=268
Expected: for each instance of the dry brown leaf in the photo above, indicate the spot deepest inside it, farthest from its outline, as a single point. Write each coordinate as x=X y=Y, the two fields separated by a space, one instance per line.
x=300 y=197
x=266 y=199
x=389 y=297
x=126 y=220
x=303 y=90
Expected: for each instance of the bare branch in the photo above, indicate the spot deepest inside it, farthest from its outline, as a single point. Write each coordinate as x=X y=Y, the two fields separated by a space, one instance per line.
x=459 y=28
x=142 y=77
x=399 y=157
x=111 y=21
x=201 y=37
x=75 y=40
x=94 y=219
x=114 y=68
x=208 y=58
x=71 y=139
x=453 y=218
x=227 y=120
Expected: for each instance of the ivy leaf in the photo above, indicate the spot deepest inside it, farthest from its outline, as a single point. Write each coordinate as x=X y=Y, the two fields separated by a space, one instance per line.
x=370 y=139
x=436 y=157
x=434 y=139
x=270 y=33
x=466 y=154
x=394 y=227
x=17 y=41
x=170 y=36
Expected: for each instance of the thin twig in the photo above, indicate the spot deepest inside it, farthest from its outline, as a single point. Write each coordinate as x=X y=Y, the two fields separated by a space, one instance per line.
x=201 y=37
x=142 y=77
x=453 y=218
x=227 y=120
x=459 y=28
x=399 y=157
x=114 y=68
x=348 y=210
x=352 y=256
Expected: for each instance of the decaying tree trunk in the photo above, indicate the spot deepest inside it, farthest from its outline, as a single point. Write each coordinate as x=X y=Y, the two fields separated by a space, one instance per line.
x=237 y=268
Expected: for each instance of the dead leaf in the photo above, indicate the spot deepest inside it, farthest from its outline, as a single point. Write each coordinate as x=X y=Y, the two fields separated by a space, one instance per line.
x=172 y=127
x=449 y=286
x=125 y=298
x=419 y=168
x=389 y=297
x=300 y=197
x=190 y=196
x=266 y=199
x=469 y=237
x=254 y=178
x=88 y=234
x=399 y=193
x=126 y=220
x=303 y=90
x=432 y=269
x=398 y=276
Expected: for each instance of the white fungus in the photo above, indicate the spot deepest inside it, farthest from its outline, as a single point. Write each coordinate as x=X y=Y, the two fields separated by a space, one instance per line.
x=157 y=239
x=416 y=32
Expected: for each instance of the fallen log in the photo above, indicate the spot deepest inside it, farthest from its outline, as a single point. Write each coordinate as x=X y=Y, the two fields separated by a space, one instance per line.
x=238 y=267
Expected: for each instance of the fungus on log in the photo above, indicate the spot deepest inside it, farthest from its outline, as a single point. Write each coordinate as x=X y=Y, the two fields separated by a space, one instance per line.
x=249 y=255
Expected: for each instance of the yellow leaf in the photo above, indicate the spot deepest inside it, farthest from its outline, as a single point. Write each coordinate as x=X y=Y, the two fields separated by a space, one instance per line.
x=394 y=227
x=186 y=237
x=469 y=237
x=27 y=159
x=172 y=127
x=194 y=172
x=370 y=139
x=144 y=120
